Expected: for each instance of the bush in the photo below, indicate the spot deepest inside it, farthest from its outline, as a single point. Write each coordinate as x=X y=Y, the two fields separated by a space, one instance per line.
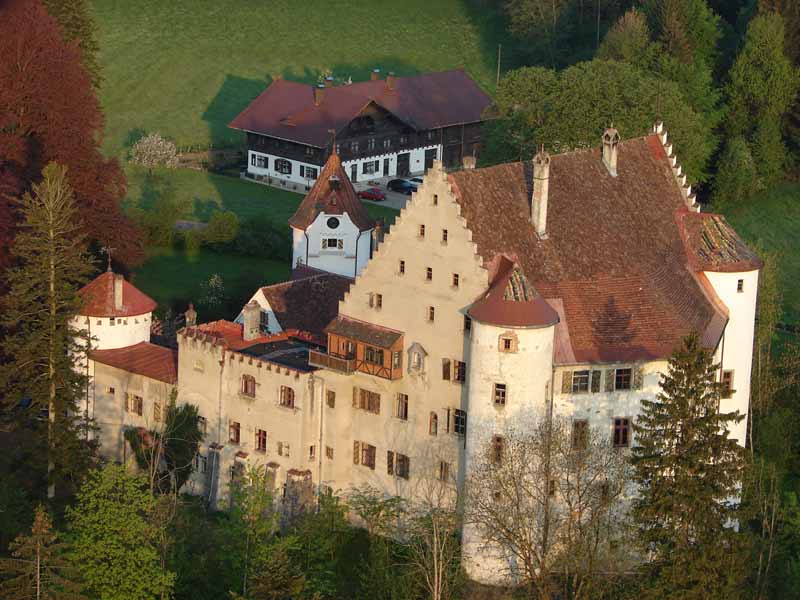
x=260 y=237
x=223 y=227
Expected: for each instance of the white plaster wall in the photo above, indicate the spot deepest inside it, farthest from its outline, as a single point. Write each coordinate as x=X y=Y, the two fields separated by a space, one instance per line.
x=736 y=349
x=272 y=322
x=294 y=177
x=527 y=375
x=416 y=163
x=126 y=331
x=348 y=261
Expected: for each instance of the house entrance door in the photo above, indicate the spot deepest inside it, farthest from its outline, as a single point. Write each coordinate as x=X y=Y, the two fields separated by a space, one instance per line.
x=386 y=163
x=403 y=164
x=353 y=173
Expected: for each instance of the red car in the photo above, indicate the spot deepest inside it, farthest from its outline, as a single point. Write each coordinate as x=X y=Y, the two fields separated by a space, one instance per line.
x=372 y=194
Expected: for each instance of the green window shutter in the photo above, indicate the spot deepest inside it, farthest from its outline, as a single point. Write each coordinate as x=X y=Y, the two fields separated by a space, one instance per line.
x=638 y=378
x=566 y=382
x=390 y=462
x=610 y=375
x=356 y=451
x=596 y=381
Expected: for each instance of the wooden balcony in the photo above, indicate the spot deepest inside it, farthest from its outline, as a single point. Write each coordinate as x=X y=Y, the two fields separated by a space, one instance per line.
x=329 y=361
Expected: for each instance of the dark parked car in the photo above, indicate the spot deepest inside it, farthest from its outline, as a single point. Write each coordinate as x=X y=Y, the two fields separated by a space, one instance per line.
x=402 y=186
x=372 y=194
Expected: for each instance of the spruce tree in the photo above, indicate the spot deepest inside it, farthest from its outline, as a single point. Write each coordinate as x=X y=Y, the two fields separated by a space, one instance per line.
x=40 y=345
x=38 y=569
x=688 y=471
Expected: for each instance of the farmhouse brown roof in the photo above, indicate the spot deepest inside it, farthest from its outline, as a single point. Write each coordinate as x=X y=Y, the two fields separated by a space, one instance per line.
x=614 y=256
x=332 y=194
x=98 y=298
x=307 y=304
x=286 y=109
x=713 y=245
x=374 y=335
x=511 y=301
x=144 y=358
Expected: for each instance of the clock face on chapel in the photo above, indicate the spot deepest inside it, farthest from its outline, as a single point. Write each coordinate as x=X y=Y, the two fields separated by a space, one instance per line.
x=333 y=223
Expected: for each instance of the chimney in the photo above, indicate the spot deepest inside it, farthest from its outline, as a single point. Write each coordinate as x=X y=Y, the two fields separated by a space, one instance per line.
x=541 y=183
x=329 y=81
x=318 y=93
x=191 y=316
x=469 y=162
x=375 y=75
x=390 y=80
x=252 y=321
x=610 y=143
x=118 y=279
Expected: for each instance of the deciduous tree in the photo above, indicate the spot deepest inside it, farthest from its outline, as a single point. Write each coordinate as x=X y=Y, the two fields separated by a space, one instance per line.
x=77 y=26
x=49 y=112
x=152 y=151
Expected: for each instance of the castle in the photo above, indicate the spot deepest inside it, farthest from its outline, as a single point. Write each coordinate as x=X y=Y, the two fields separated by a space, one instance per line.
x=558 y=285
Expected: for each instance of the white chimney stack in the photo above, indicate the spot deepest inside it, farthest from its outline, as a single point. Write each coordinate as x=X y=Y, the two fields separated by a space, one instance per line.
x=610 y=143
x=118 y=279
x=252 y=321
x=541 y=183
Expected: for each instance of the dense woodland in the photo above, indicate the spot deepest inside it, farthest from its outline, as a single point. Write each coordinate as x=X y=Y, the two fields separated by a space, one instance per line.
x=722 y=74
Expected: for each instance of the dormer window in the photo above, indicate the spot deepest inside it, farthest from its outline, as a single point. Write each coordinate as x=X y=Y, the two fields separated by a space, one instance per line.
x=416 y=358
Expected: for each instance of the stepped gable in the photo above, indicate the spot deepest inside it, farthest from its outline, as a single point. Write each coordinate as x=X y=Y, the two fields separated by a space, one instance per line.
x=307 y=304
x=144 y=358
x=332 y=194
x=98 y=298
x=511 y=301
x=287 y=110
x=713 y=245
x=614 y=258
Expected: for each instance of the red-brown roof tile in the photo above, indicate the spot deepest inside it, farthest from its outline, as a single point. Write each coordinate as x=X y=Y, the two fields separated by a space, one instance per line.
x=98 y=298
x=332 y=194
x=144 y=358
x=713 y=245
x=286 y=109
x=307 y=304
x=375 y=335
x=230 y=335
x=614 y=254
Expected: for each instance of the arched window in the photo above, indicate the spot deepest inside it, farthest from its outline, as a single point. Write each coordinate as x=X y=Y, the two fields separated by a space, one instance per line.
x=248 y=385
x=433 y=424
x=287 y=396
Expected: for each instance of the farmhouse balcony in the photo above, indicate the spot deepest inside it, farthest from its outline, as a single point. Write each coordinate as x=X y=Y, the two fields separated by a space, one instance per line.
x=340 y=364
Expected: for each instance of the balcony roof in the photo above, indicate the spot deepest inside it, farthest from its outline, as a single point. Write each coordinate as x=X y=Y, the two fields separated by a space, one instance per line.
x=374 y=335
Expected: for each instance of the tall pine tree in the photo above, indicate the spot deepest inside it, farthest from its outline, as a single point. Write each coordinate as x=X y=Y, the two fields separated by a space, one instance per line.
x=40 y=345
x=38 y=569
x=688 y=471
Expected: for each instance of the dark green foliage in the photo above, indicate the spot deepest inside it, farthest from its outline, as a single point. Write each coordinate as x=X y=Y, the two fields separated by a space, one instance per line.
x=38 y=567
x=687 y=470
x=688 y=29
x=769 y=153
x=570 y=109
x=628 y=40
x=39 y=344
x=261 y=236
x=75 y=19
x=114 y=541
x=276 y=577
x=736 y=179
x=167 y=453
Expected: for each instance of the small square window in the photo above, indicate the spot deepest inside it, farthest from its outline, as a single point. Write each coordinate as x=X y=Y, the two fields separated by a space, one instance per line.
x=580 y=382
x=99 y=321
x=622 y=432
x=622 y=379
x=431 y=314
x=330 y=397
x=740 y=286
x=378 y=300
x=429 y=274
x=422 y=231
x=455 y=280
x=312 y=452
x=110 y=390
x=727 y=384
x=402 y=267
x=500 y=394
x=261 y=440
x=435 y=196
x=328 y=452
x=444 y=236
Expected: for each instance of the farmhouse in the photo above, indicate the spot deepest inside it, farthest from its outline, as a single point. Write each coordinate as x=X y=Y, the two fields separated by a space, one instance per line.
x=552 y=286
x=392 y=126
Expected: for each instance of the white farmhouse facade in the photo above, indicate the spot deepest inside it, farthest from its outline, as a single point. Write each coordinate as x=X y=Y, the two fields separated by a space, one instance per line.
x=499 y=296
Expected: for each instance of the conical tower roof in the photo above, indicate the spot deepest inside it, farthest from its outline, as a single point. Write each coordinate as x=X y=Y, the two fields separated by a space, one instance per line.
x=332 y=194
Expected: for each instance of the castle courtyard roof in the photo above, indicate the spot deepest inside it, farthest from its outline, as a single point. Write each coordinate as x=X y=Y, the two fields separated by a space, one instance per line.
x=614 y=260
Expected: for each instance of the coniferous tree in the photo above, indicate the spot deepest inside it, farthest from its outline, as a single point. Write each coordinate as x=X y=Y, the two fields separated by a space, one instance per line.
x=77 y=26
x=38 y=569
x=688 y=470
x=41 y=346
x=736 y=180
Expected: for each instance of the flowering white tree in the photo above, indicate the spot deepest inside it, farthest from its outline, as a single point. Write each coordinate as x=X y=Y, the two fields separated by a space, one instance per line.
x=153 y=150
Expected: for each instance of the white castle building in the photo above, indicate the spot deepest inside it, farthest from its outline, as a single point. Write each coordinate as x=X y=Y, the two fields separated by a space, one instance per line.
x=556 y=286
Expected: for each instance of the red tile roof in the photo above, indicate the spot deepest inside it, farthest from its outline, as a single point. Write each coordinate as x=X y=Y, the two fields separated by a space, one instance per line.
x=332 y=194
x=512 y=302
x=614 y=255
x=98 y=298
x=713 y=245
x=230 y=335
x=144 y=358
x=286 y=109
x=375 y=335
x=307 y=304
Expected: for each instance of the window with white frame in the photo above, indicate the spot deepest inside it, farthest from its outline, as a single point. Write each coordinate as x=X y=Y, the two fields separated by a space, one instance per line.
x=370 y=167
x=283 y=166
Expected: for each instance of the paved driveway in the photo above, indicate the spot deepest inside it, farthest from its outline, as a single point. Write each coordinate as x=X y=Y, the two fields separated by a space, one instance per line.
x=393 y=199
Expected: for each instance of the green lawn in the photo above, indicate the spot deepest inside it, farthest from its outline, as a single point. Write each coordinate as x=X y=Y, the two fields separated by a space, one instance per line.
x=199 y=193
x=186 y=69
x=774 y=220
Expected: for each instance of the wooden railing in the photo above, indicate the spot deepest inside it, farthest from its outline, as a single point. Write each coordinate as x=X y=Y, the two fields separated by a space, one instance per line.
x=334 y=363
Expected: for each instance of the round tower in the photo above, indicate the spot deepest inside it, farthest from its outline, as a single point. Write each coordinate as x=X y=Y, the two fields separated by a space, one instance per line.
x=114 y=313
x=511 y=362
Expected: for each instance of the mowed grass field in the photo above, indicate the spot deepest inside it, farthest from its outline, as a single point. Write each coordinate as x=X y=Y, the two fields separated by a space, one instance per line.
x=774 y=220
x=186 y=69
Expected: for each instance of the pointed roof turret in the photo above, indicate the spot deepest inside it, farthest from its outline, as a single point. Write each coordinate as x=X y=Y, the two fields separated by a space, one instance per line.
x=332 y=194
x=111 y=295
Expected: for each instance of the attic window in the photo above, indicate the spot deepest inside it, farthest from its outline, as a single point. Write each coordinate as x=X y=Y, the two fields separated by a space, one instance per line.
x=740 y=286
